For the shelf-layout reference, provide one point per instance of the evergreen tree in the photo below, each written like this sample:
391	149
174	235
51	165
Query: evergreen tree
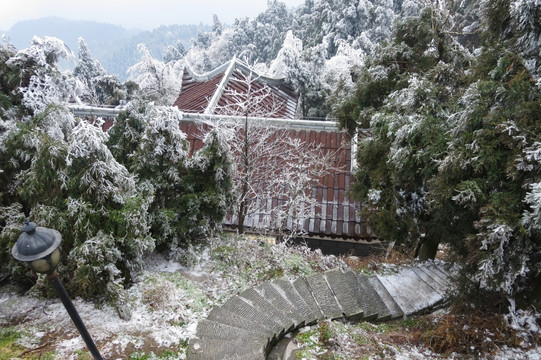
68	180
100	88
157	81
40	82
87	71
452	151
190	196
404	95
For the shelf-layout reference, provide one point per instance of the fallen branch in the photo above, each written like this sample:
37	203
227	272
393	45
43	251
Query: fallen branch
35	349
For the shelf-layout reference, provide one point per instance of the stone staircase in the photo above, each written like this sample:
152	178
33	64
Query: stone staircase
249	324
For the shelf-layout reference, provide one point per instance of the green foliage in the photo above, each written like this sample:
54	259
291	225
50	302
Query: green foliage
403	96
113	197
450	156
305	336
83	354
167	354
190	196
8	339
11	219
492	135
380	328
325	332
8	336
498	18
9	80
90	199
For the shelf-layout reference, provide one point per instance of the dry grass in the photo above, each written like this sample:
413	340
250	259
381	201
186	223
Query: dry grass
374	262
472	334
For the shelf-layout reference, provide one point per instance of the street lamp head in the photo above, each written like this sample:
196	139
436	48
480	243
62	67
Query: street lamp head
38	246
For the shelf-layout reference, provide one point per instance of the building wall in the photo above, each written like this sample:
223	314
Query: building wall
339	247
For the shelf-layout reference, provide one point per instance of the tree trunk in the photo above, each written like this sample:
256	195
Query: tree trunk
243	207
428	250
242	215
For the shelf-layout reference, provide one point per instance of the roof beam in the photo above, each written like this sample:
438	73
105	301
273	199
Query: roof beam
221	87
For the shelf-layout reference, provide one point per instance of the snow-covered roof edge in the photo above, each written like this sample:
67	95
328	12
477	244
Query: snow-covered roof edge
230	65
221	87
317	125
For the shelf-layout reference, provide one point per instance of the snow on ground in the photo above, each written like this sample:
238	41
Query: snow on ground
168	299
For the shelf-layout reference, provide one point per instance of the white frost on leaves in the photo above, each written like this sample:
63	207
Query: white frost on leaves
470	101
505	260
531	219
526	323
374	196
44	52
339	68
378	72
468	193
408	98
162	143
288	56
526	13
46	84
102	177
45	89
219	140
530	159
158	81
500	234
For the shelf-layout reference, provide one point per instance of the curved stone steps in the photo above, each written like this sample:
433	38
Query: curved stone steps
249	324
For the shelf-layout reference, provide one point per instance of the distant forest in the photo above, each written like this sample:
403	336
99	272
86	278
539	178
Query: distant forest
114	46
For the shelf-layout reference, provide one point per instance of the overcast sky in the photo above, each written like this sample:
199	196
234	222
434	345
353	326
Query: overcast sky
134	14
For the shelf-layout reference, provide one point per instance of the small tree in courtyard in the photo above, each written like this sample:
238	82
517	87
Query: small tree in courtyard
269	162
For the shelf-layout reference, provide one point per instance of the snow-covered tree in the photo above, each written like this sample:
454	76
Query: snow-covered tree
100	88
527	14
40	81
254	41
269	163
58	171
175	53
459	137
87	70
490	168
68	180
340	72
10	98
286	62
159	82
190	196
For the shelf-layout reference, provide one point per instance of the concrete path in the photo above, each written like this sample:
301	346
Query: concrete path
249	324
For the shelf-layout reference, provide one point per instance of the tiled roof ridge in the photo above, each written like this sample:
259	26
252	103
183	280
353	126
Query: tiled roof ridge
213	102
231	64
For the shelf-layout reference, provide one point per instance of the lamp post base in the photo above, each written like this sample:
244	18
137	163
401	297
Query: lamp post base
70	308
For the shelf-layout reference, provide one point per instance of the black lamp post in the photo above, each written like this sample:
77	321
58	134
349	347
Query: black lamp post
39	247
